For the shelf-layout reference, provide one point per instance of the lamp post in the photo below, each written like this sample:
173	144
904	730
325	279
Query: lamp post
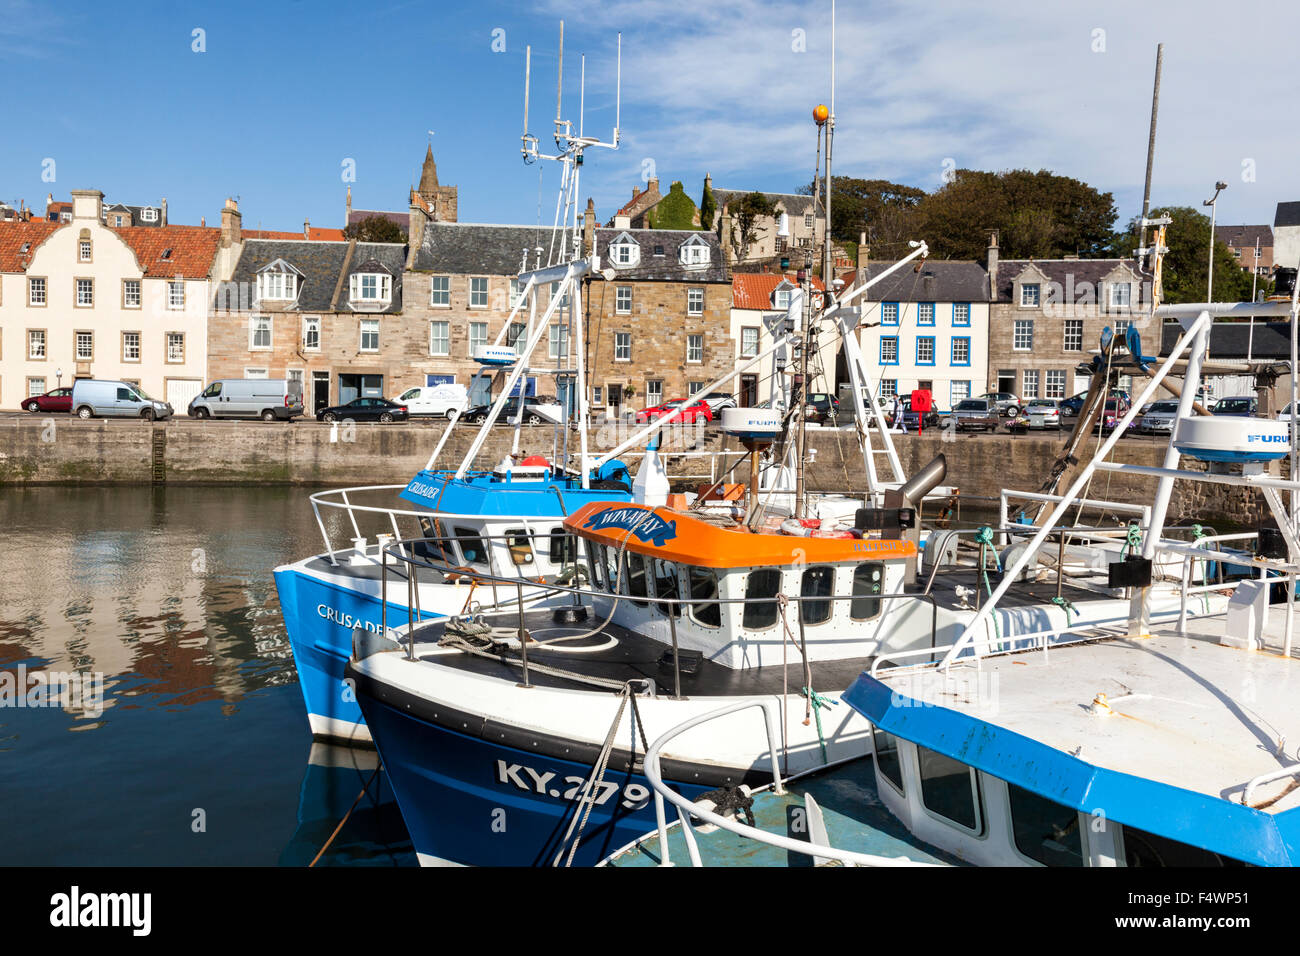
1219	187
58	373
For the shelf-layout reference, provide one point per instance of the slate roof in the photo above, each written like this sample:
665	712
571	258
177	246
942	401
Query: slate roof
1243	237
940	280
667	267
794	203
321	265
1288	214
14	234
1230	340
192	249
466	248
753	290
136	212
1057	270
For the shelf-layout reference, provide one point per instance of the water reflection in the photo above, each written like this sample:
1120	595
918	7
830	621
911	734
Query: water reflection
168	594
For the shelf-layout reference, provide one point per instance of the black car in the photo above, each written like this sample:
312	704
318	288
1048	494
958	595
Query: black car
822	407
477	414
365	410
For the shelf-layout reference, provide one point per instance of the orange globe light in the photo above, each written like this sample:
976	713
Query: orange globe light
820	113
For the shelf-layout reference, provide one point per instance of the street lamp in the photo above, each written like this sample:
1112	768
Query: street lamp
1219	187
58	373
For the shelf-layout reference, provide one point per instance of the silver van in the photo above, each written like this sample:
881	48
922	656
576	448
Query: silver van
98	398
270	399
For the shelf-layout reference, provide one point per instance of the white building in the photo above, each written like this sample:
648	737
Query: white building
81	299
758	307
928	329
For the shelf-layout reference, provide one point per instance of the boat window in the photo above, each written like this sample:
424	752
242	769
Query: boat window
520	545
471	546
617	581
704	587
635	574
948	788
763	583
1045	830
868	581
1148	849
887	762
817	583
433	549
564	547
666	586
596	559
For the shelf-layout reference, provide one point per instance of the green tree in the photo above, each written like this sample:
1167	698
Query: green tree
375	229
745	215
708	206
885	211
1184	272
1037	215
674	211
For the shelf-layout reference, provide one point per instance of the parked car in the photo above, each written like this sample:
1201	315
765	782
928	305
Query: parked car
1038	413
439	400
1159	418
685	410
717	401
1007	404
270	399
113	399
55	400
976	413
365	410
1073	405
1242	406
1117	407
913	420
822	407
538	409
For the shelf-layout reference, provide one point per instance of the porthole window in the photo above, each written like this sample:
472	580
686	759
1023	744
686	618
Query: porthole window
887	760
817	583
868	582
948	788
704	588
1044	830
763	583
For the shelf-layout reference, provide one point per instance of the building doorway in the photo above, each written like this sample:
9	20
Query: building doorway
320	391
748	396
1007	380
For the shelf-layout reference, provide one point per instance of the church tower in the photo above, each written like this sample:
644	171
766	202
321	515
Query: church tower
438	201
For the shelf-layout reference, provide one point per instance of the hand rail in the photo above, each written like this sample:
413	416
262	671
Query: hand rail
1290	770
686	809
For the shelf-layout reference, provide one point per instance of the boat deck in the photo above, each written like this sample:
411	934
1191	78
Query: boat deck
1185	711
854	816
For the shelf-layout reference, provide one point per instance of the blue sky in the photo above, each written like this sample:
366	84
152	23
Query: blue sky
285	93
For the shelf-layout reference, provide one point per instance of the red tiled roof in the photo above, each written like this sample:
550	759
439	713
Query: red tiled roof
753	290
14	234
192	249
322	234
269	234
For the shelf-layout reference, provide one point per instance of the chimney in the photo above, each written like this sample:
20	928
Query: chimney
589	228
636	191
164	211
347	216
306	228
231	224
653	186
203	221
724	233
992	266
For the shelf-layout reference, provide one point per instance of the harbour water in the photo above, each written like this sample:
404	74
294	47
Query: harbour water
149	708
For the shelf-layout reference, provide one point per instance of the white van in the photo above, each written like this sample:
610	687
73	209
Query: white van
270	399
111	399
435	399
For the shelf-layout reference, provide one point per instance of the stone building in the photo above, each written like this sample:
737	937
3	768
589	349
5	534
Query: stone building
658	315
437	202
82	299
1286	235
328	314
1047	316
1252	245
794	216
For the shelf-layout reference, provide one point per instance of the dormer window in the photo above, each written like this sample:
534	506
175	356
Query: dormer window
371	287
659	251
624	251
148	214
695	252
1029	295
278	282
166	253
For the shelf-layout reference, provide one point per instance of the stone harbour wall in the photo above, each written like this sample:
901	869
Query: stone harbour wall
39	449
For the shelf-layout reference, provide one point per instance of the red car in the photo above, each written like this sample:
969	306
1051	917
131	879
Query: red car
687	410
56	400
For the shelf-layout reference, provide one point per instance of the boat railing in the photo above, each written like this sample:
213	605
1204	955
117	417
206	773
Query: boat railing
1281	773
688	811
528	593
1007	495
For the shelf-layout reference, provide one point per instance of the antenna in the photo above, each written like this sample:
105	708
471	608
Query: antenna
559	81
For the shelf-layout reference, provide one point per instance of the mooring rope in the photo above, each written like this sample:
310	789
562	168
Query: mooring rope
345	817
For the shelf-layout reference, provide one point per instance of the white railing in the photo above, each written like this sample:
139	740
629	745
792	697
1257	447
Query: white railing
1280	774
687	809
